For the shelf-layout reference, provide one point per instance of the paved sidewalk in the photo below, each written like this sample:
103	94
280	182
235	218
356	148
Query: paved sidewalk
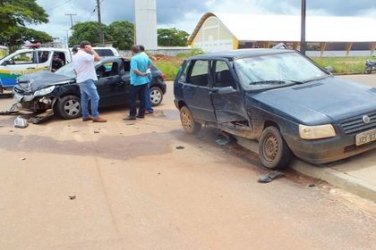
356	174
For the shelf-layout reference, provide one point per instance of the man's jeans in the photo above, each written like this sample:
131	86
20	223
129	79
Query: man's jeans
137	92
148	105
89	93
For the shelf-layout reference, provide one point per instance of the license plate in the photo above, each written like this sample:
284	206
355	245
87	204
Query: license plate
365	137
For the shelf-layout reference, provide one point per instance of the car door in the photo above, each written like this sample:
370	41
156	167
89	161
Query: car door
226	95
108	82
16	65
196	90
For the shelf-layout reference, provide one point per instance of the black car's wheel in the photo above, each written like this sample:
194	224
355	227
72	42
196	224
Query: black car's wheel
187	121
156	96
69	107
368	70
273	150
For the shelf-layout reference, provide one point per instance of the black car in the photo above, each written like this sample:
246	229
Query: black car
59	91
281	99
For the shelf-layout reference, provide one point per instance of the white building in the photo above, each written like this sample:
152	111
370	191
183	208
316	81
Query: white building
217	32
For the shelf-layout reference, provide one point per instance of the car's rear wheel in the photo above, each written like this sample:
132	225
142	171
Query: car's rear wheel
156	96
273	150
69	107
187	121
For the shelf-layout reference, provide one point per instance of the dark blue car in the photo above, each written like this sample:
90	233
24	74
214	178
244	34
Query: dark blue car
281	99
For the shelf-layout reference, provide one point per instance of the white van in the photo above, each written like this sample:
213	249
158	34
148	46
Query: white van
26	61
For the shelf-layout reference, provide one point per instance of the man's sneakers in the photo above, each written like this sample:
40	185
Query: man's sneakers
88	118
130	118
99	119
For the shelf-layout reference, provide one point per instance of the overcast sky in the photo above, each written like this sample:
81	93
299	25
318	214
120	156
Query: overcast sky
185	14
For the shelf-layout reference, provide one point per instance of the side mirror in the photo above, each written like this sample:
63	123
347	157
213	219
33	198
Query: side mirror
329	69
5	63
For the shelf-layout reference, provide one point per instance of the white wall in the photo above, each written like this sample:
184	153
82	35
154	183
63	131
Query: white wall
146	23
213	36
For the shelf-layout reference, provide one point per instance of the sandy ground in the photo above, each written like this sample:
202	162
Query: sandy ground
148	185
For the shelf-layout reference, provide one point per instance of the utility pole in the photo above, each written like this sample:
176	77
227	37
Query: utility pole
71	17
100	28
303	29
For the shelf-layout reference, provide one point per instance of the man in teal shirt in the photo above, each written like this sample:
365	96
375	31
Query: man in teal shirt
139	81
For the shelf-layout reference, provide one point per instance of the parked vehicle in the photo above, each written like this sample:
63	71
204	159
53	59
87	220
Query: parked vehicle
370	66
59	91
282	100
27	61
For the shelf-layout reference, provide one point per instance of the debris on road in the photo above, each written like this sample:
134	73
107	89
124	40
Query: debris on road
23	159
96	132
224	139
20	122
179	147
269	177
72	197
12	111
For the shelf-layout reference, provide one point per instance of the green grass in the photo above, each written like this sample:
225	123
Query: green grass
169	68
340	65
343	65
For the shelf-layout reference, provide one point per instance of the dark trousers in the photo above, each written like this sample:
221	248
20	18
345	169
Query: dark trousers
137	93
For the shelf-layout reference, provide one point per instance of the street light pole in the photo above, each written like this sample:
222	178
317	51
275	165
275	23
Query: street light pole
303	29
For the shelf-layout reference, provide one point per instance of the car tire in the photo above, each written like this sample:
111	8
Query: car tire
187	121
156	96
69	107
274	153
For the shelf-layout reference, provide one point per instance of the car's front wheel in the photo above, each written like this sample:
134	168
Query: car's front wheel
69	107
156	96
273	150
187	121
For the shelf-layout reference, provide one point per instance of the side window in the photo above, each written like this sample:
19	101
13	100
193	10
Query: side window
127	66
223	77
101	71
23	58
108	69
43	56
199	73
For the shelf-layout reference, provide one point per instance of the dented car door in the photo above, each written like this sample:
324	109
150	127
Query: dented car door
226	95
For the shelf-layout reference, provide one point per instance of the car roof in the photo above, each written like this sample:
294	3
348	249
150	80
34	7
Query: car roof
241	53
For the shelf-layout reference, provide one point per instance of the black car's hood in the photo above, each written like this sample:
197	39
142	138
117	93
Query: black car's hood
40	80
319	102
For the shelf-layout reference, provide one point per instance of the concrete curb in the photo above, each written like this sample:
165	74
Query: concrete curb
334	177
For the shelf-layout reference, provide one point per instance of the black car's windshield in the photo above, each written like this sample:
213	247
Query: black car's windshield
276	70
67	71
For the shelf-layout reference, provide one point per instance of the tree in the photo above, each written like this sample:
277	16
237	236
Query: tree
16	36
122	33
15	13
172	37
88	31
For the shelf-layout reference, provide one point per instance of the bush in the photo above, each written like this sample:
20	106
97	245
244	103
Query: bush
343	65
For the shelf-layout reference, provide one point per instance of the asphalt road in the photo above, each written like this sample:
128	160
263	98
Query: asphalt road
148	185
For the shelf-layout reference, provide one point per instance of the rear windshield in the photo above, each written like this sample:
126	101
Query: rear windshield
104	52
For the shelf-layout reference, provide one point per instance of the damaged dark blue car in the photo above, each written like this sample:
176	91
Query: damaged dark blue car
281	99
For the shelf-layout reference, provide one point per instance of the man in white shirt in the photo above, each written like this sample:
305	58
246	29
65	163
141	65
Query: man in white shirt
83	64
